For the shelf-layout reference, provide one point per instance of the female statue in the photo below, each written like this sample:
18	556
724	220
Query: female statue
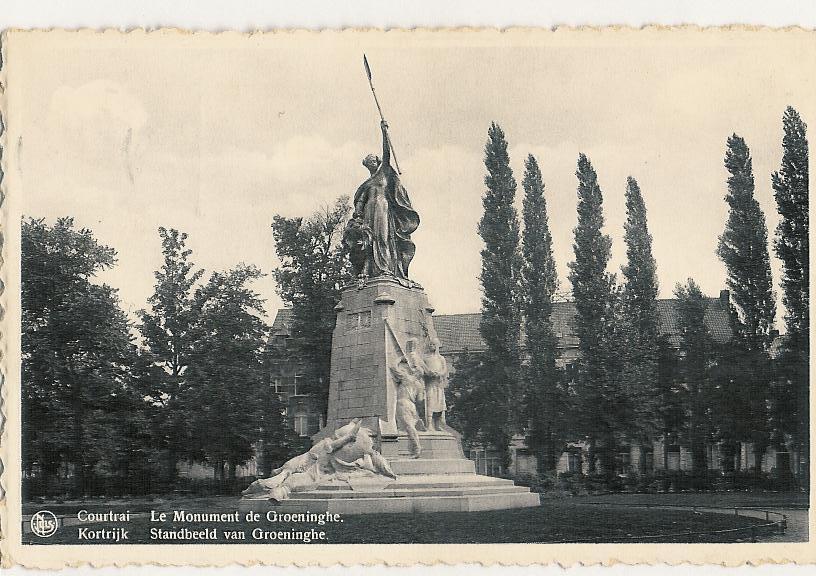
379	234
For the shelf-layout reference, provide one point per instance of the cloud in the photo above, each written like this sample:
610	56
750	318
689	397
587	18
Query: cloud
92	103
93	134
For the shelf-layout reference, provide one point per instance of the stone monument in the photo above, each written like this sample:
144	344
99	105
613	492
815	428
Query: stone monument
376	454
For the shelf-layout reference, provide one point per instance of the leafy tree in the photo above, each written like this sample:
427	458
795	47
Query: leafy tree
167	329
226	372
791	190
314	268
467	398
733	400
125	446
500	279
595	297
75	351
641	321
544	398
698	356
743	247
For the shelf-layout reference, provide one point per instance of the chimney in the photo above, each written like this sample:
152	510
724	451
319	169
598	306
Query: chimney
725	297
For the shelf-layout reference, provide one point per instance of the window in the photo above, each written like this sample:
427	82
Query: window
295	382
301	424
574	461
486	463
278	385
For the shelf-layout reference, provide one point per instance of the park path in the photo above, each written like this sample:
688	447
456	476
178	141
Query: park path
797	530
797	515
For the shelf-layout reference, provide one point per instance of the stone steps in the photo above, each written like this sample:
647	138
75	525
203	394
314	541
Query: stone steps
448	480
457	492
390	492
394	505
408	466
421	481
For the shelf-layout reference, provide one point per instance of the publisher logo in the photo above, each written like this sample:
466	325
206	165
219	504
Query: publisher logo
44	524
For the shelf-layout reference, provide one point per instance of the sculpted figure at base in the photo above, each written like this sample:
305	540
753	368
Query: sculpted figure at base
410	392
379	233
436	380
345	456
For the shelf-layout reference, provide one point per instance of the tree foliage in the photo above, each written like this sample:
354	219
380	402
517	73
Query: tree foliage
500	280
790	186
698	356
743	248
168	328
76	350
314	266
543	394
640	319
226	375
791	189
596	305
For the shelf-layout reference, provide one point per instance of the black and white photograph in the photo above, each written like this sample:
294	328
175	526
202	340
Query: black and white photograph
270	293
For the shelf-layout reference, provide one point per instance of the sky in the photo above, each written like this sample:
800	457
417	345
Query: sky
215	134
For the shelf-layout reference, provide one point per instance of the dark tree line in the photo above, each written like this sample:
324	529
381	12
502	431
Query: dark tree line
631	385
111	406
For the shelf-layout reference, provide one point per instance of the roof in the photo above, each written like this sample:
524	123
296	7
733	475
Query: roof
716	320
283	322
459	332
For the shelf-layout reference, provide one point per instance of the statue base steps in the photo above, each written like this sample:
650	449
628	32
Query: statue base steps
422	485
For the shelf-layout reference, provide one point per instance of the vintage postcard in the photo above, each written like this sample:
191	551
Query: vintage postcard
358	297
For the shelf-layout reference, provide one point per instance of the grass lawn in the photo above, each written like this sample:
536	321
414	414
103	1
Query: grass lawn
770	500
566	520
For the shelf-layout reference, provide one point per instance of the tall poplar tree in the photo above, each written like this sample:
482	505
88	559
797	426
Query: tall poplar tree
743	247
543	397
790	186
594	294
500	279
640	318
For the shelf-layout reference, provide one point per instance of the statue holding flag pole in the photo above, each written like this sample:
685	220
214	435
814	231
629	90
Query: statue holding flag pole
385	446
379	233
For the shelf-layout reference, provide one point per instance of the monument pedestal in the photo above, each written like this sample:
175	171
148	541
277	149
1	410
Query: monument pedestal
374	323
444	481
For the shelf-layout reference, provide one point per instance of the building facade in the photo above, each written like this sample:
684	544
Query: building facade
459	333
